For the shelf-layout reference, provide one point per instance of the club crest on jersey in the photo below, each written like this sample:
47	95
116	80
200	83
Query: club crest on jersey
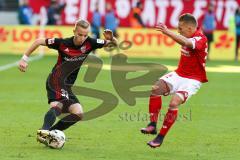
83	49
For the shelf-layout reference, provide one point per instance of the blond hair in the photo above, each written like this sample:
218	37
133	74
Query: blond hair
82	23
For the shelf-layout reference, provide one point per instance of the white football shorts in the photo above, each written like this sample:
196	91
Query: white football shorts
183	87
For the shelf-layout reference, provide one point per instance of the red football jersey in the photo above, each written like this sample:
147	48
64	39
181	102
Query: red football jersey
192	62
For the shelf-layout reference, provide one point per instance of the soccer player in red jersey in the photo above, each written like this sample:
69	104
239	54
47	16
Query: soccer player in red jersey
72	52
182	83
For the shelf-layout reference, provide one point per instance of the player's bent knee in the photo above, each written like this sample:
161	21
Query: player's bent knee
80	115
56	104
160	88
174	104
155	90
76	109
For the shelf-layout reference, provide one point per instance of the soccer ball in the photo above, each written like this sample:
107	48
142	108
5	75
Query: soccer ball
56	139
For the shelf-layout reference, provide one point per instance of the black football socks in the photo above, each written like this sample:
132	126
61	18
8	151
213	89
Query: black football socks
66	122
50	117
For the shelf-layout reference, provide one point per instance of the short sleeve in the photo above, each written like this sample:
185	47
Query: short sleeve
198	42
53	43
97	43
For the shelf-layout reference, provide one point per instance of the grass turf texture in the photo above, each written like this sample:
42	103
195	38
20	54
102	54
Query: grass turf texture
207	128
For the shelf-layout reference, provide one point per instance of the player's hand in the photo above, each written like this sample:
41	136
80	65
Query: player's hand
162	27
108	34
22	65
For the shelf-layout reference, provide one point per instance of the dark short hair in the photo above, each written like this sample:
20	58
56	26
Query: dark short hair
188	18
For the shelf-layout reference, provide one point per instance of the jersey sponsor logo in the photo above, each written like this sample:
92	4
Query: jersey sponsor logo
74	59
51	41
100	41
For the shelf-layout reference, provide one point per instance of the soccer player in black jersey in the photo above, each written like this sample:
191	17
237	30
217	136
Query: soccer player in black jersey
71	54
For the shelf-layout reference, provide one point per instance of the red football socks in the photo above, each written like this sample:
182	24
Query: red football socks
155	105
169	120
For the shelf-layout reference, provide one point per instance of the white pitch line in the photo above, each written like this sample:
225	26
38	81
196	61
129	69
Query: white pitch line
14	64
217	69
43	21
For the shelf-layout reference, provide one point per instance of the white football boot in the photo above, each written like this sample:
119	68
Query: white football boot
43	136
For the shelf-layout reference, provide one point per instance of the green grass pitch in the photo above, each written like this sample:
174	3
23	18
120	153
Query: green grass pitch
207	128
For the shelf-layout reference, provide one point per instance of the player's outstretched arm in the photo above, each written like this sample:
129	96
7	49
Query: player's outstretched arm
23	63
176	37
108	35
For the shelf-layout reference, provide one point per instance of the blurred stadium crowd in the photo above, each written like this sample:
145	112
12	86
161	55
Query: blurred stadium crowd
212	15
134	13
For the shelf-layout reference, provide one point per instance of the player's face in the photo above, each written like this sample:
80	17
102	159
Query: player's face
80	35
185	29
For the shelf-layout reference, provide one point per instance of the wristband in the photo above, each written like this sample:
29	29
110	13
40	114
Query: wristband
25	58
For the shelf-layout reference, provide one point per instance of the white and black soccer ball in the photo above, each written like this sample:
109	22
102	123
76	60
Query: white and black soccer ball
56	139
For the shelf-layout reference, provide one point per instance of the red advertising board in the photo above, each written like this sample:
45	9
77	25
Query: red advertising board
154	11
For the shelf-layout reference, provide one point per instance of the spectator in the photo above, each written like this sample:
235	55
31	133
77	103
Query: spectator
25	13
135	17
237	28
96	22
111	21
2	4
54	12
209	26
